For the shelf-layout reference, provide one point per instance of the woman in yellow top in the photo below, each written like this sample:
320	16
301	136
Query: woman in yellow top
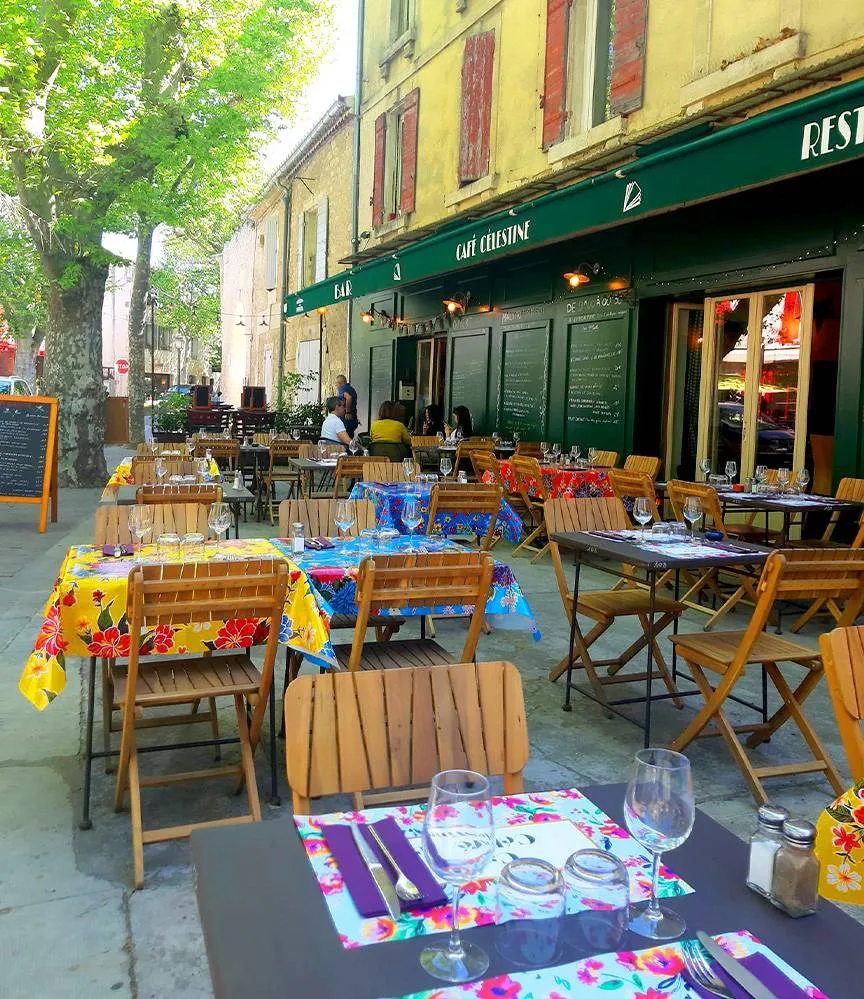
388	429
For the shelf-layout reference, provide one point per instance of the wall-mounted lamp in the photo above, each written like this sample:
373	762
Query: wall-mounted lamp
583	274
457	304
322	310
617	284
239	323
372	314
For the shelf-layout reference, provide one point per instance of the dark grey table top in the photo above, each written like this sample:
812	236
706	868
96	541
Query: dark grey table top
269	934
607	548
125	495
787	503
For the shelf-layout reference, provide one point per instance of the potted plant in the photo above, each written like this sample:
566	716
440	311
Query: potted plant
306	417
169	418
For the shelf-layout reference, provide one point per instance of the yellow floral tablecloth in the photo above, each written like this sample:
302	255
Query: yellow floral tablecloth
86	616
840	847
122	474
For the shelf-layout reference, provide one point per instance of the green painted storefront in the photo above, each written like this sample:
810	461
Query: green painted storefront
590	365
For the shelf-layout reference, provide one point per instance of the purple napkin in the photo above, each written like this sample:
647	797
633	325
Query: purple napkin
359	881
764	969
111	549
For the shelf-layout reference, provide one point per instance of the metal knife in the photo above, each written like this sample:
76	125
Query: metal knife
379	875
734	969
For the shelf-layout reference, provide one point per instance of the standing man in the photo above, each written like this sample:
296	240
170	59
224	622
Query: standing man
348	394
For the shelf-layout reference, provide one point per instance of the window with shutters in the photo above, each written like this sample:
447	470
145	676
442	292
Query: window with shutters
400	18
271	250
393	192
311	244
310	247
476	116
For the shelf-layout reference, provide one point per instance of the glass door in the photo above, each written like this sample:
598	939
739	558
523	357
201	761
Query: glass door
684	364
755	367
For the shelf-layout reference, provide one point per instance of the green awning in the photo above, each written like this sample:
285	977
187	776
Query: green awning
814	132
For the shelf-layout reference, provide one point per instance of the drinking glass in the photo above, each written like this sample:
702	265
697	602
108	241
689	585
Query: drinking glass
295	434
412	517
168	547
140	524
192	547
575	452
219	521
731	470
544	448
592	456
761	473
516	437
783	476
530	904
439	437
556	450
408	468
161	469
705	468
203	468
803	479
659	812
354	446
344	516
692	513
597	891
368	539
446	466
458	435
642	511
496	437
458	841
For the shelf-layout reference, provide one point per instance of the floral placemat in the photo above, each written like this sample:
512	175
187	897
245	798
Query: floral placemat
646	974
478	907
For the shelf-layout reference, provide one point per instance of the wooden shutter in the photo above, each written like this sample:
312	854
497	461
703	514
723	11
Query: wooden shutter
300	240
321	241
271	252
410	117
378	182
628	55
477	62
555	76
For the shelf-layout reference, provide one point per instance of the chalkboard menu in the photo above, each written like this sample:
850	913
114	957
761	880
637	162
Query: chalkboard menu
524	382
28	430
380	378
469	367
597	383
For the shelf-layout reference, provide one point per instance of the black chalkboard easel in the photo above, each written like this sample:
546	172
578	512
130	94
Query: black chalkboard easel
28	452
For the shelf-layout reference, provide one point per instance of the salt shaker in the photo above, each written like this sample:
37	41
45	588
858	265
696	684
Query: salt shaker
764	844
795	889
462	478
298	539
238	479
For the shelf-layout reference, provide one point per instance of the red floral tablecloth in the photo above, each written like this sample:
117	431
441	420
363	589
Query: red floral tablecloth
562	482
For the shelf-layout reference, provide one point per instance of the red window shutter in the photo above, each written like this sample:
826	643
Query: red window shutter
555	77
410	115
628	55
477	64
378	182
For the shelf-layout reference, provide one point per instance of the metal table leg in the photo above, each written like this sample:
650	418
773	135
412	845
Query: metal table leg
567	705
275	800
652	599
86	822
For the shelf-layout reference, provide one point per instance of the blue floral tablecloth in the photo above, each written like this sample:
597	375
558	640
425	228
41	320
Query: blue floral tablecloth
333	573
388	499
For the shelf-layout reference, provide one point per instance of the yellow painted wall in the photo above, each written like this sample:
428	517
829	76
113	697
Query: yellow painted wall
703	56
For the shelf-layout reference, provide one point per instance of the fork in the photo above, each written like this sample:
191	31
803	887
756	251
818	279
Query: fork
700	970
405	887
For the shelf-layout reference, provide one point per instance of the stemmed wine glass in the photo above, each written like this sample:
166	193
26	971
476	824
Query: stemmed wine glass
354	446
575	451
642	511
592	456
556	451
439	437
408	468
731	471
659	813
783	475
140	524
446	466
544	450
161	469
219	521
705	467
693	513
344	516
803	480
459	841
295	434
412	517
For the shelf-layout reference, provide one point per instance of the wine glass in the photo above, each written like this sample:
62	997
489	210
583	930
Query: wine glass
440	438
344	516
412	517
496	438
803	479
731	470
219	521
692	513
659	813
408	468
575	451
705	468
458	435
140	524
295	435
556	450
516	437
544	450
161	469
592	456
783	475
458	841
642	511
354	446
446	466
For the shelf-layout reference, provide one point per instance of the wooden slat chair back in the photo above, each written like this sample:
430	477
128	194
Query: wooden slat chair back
485	461
786	575
424	440
279	470
827	577
396	729
642	463
318	517
384	471
529	449
144	469
225	453
426	456
847	489
349	469
843	660
529	478
457	498
605	459
179	492
627	484
152	450
192	593
419	581
604	607
112	522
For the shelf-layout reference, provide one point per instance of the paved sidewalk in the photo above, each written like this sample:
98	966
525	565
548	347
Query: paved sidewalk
70	925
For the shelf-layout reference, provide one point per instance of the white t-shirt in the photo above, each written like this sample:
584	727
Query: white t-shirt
331	428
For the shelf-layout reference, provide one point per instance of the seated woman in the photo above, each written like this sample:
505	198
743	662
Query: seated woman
462	428
433	420
387	429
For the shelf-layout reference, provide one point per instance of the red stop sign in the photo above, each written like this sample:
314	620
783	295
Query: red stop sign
122	365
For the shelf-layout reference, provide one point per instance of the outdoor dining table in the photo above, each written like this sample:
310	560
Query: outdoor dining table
388	499
561	481
309	468
788	504
269	924
610	551
125	496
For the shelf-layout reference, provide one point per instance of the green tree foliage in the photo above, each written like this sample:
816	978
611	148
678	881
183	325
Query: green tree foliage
187	283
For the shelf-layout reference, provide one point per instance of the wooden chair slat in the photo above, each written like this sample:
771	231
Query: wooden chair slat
424	742
324	762
491	698
373	722
466	700
398	686
643	464
353	765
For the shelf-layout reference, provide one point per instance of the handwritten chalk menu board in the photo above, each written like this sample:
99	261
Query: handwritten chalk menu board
469	369
380	378
524	381
597	383
28	453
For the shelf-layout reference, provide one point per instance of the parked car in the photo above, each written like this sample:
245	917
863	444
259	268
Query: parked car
774	445
11	385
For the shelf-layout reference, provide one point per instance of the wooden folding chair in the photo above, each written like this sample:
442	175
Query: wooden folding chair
484	462
424	440
459	499
144	469
605	459
385	471
364	732
179	492
605	607
843	660
627	484
847	489
226	453
786	575
278	469
642	463
349	469
421	581
190	593
534	496
153	450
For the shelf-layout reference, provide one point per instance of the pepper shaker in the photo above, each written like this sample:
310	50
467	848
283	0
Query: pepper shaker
764	844
795	888
298	539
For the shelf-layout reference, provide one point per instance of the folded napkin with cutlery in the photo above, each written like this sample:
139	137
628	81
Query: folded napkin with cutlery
117	550
360	883
759	965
